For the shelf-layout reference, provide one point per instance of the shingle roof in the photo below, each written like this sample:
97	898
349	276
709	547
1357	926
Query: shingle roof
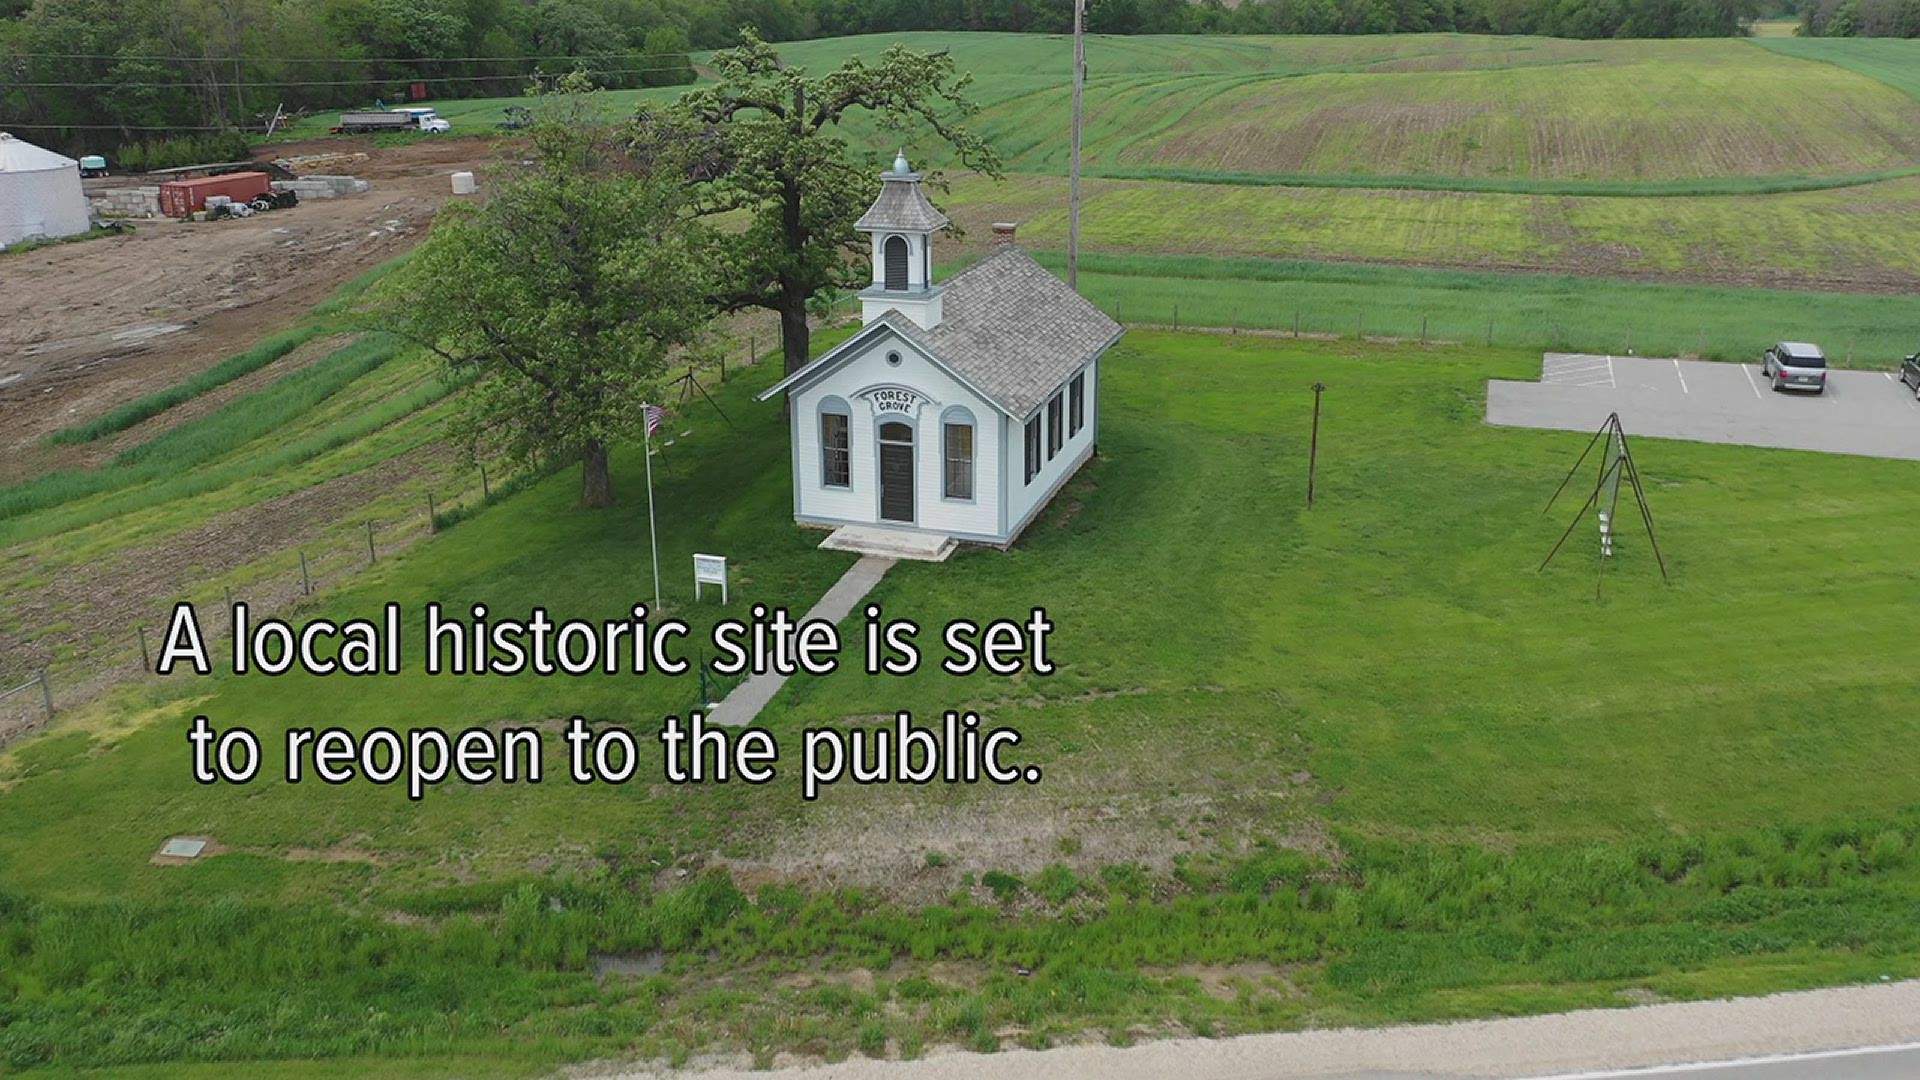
1013	329
1008	328
901	205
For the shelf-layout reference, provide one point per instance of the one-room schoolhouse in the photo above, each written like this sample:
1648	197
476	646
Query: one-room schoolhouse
959	408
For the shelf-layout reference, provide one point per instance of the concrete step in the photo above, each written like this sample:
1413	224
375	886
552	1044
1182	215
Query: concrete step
890	543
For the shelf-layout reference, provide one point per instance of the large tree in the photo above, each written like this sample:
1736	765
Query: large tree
563	296
764	143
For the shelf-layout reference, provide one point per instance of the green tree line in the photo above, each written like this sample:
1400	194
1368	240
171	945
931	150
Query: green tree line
1860	18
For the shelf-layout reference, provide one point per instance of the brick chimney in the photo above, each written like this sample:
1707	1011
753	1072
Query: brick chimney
1003	234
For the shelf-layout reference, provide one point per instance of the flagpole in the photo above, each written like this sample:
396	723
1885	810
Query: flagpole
653	535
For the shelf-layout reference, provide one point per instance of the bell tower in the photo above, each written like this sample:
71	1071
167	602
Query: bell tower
901	224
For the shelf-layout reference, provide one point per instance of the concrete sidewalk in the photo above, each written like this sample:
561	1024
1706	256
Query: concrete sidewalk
1591	1043
744	704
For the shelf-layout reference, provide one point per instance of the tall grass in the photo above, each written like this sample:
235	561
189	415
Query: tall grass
1400	930
146	487
133	412
234	425
344	296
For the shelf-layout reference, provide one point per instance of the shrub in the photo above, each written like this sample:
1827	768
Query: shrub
179	150
1888	850
1057	883
1005	886
1126	879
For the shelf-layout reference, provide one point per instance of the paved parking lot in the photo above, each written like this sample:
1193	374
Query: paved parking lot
1862	412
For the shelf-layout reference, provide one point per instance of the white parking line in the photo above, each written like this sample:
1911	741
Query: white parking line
1682	376
1609	368
1654	1071
1756	386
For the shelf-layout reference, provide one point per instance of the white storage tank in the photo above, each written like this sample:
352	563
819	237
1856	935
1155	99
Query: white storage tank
463	183
40	194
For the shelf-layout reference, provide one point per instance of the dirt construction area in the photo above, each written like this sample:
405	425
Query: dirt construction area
87	326
1871	413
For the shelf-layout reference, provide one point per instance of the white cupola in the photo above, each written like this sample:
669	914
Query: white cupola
901	224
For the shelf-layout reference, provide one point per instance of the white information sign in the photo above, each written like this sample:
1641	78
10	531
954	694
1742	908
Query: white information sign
710	570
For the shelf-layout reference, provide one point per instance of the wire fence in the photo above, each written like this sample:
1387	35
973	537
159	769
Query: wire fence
291	577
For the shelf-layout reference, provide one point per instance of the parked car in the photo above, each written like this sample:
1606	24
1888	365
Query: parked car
1796	365
1910	373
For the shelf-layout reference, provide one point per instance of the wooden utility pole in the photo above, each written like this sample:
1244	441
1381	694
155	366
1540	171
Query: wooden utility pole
1313	447
1073	167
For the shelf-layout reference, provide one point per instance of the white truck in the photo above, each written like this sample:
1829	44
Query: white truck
409	119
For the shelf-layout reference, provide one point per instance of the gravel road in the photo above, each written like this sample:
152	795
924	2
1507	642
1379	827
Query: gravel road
1589	1042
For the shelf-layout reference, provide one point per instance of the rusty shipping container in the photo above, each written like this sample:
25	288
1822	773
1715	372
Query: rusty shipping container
180	198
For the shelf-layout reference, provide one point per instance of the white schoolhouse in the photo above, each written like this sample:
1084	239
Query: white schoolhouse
959	408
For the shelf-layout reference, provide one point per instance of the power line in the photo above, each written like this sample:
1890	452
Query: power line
217	84
345	59
8	125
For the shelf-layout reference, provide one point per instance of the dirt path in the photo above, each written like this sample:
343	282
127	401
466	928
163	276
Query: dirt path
1578	1042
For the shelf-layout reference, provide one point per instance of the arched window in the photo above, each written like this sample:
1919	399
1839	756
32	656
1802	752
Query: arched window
896	432
895	258
836	441
956	449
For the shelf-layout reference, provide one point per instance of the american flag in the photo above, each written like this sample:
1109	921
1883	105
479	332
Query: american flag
656	416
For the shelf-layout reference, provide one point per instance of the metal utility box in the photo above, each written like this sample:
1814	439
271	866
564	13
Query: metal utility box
180	198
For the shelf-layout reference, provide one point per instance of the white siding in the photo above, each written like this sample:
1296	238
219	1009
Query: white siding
1023	498
860	503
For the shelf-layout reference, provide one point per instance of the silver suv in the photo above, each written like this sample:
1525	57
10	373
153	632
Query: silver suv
1796	365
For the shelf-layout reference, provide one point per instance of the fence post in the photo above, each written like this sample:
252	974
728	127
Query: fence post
1489	331
1701	352
1360	326
46	693
486	492
1296	324
371	558
433	524
146	658
723	365
1629	341
1423	329
1176	316
306	580
1233	321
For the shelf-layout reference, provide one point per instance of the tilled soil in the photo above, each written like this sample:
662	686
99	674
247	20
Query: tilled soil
89	326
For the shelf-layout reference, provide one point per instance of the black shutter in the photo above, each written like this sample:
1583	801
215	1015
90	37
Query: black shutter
896	264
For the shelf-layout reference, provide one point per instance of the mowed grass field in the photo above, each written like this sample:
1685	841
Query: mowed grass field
1775	163
1520	114
1846	240
1353	764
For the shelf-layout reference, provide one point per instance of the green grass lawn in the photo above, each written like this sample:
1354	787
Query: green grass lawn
1893	61
1714	161
1356	764
1532	311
